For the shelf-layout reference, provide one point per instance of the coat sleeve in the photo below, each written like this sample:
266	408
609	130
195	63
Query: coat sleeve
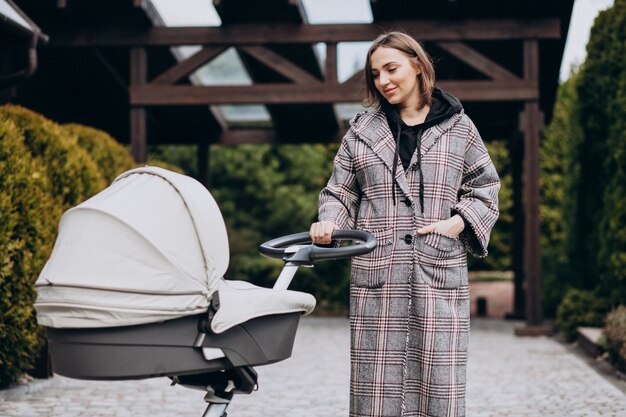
339	201
478	195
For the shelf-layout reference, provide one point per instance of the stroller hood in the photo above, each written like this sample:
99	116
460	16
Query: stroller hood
151	247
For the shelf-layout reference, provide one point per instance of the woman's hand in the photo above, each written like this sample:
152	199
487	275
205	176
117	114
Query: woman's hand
322	232
451	227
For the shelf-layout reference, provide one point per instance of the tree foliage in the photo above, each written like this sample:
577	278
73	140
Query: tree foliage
560	176
599	252
28	216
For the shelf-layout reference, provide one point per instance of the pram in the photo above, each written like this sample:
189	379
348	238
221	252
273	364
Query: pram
134	289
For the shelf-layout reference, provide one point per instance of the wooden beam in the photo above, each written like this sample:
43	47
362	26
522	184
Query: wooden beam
279	64
189	65
258	34
478	61
531	60
331	63
356	79
269	136
243	136
155	95
138	125
531	123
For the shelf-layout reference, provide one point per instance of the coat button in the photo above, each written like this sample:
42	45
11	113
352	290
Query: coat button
408	239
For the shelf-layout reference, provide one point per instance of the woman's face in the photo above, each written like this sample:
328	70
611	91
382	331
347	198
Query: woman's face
395	76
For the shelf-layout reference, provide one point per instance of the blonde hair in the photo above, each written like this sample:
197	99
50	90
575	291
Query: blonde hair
414	50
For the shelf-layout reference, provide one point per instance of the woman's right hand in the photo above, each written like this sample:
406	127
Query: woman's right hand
322	232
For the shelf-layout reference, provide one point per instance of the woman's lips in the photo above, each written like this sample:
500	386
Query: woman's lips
389	91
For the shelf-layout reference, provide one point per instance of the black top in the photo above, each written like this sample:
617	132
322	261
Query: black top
409	138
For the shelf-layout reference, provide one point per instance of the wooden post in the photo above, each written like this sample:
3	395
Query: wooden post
531	124
138	128
516	152
331	63
204	175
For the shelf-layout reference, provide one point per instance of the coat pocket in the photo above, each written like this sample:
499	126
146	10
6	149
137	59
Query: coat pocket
442	260
372	270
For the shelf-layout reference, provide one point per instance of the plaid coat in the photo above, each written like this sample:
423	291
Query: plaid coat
409	298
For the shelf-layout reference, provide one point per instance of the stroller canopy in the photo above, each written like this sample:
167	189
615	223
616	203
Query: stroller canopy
151	247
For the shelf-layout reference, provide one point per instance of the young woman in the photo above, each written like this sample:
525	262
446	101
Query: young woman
415	173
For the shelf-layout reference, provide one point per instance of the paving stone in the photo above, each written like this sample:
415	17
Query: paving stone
507	377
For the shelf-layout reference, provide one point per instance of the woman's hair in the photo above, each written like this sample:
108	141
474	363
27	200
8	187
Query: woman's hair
414	50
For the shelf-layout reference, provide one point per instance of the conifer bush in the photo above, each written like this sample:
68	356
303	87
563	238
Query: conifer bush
28	218
73	174
601	219
579	308
111	157
615	337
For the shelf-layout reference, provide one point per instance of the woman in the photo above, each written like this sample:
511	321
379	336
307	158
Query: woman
415	173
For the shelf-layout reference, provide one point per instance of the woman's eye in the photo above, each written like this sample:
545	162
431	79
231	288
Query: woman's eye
392	69
374	75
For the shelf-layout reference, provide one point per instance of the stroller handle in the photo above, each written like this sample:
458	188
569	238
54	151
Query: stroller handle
309	254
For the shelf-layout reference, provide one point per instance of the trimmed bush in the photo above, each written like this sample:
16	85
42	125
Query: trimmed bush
600	234
111	157
560	176
579	308
28	218
73	175
615	337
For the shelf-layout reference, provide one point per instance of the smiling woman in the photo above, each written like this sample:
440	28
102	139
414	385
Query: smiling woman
415	173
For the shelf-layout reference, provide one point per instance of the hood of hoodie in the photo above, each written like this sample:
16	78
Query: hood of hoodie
372	126
444	105
379	128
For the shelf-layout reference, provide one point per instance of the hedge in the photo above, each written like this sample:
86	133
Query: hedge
28	216
579	308
110	156
73	174
615	337
560	176
600	238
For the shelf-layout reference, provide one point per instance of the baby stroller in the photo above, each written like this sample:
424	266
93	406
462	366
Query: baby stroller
134	289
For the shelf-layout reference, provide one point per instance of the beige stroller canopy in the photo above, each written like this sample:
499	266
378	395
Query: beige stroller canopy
151	247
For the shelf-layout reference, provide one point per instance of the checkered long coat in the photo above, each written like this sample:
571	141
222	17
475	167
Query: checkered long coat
409	298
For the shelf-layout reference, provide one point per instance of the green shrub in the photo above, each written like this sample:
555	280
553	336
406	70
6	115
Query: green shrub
28	218
560	175
111	157
579	308
73	175
600	235
615	337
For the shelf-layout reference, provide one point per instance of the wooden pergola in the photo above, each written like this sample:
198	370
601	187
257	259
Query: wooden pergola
501	60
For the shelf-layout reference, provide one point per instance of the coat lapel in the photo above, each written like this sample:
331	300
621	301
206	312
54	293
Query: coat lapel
373	129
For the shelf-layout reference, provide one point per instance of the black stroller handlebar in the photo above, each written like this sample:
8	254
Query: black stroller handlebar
309	254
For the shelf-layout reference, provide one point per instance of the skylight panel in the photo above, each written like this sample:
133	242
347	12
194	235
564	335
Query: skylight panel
332	11
7	10
187	13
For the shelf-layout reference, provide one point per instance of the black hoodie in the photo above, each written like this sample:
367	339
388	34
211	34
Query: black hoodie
409	138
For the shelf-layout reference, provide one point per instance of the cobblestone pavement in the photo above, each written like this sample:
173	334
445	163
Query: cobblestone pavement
507	377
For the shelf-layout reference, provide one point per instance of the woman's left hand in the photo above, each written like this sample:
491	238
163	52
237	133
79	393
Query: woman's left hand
451	227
